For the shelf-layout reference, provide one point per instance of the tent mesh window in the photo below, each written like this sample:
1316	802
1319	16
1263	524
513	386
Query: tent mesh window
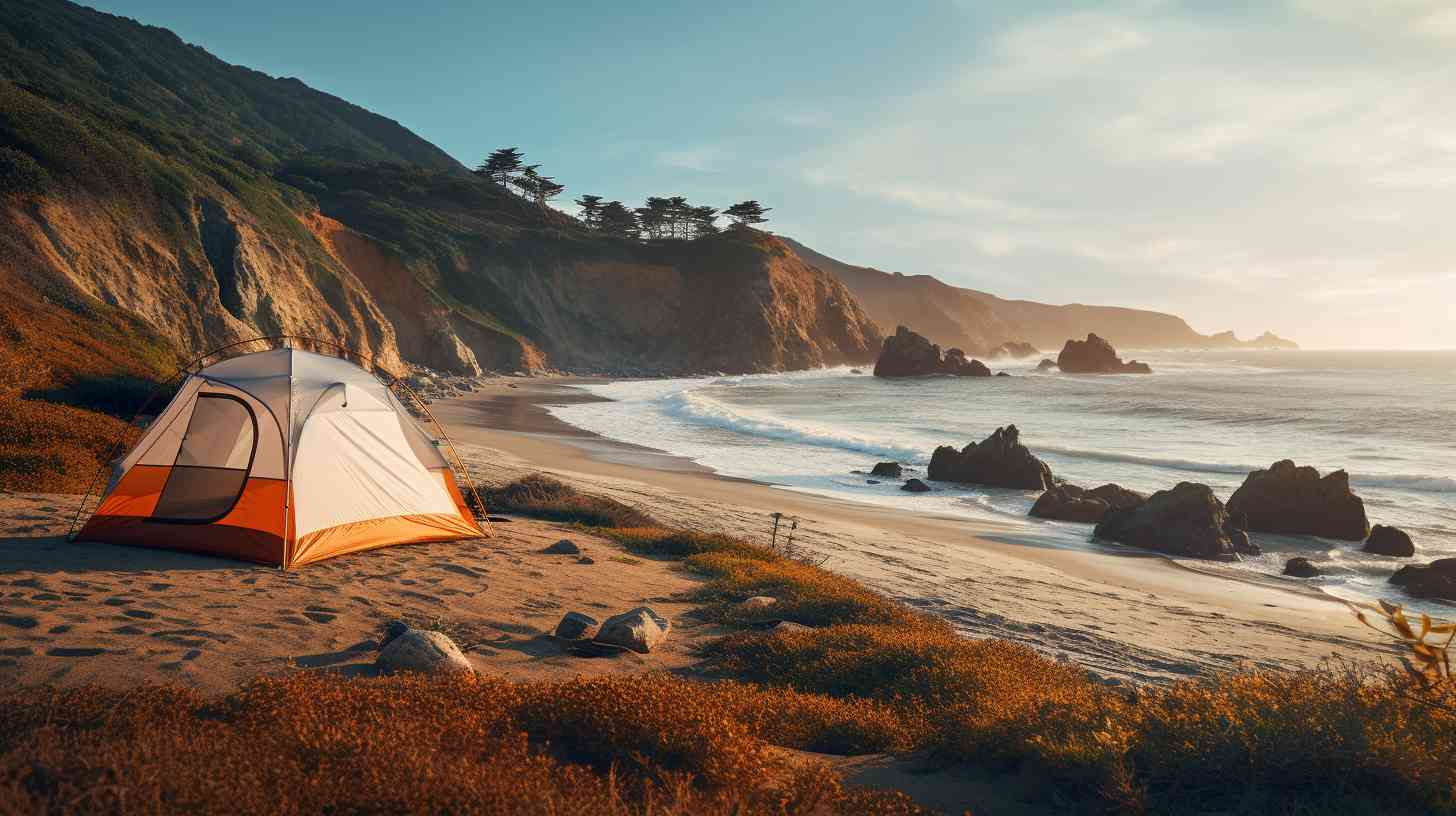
213	462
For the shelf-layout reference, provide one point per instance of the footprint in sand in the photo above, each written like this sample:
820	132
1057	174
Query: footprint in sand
128	630
60	630
139	614
19	621
17	651
158	587
320	614
45	596
118	601
463	570
75	651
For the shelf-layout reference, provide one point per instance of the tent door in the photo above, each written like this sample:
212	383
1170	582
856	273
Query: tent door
213	462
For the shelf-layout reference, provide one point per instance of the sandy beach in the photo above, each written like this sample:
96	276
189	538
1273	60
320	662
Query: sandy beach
1126	616
75	613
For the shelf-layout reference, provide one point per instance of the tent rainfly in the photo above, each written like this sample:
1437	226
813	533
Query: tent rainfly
282	457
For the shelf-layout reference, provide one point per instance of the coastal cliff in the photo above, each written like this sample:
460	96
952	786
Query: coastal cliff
979	322
215	203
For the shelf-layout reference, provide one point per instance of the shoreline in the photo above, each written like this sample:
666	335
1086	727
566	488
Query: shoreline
1123	615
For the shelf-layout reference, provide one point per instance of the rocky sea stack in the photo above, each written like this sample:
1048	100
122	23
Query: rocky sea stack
1391	541
907	354
1096	356
1013	349
1072	503
1434	580
1295	500
1188	521
1000	461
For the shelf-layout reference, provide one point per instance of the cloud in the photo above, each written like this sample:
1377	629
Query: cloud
1222	163
1424	18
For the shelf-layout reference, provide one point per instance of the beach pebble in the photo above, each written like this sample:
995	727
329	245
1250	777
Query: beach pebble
915	486
425	652
574	626
758	602
586	559
640	630
563	547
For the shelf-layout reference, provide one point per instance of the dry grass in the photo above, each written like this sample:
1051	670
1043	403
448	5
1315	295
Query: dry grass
542	497
312	744
1328	740
46	447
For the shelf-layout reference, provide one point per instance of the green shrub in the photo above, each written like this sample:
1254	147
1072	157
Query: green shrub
540	496
21	174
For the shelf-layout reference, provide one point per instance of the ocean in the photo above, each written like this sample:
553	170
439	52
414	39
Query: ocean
1387	417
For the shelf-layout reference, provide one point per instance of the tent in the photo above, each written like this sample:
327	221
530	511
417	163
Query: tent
282	457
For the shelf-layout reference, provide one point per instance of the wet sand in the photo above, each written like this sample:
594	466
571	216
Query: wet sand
1124	615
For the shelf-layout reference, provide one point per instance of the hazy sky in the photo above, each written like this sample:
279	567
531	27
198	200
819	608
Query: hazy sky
1282	165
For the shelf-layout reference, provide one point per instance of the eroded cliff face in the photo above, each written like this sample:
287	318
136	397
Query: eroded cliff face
737	302
219	279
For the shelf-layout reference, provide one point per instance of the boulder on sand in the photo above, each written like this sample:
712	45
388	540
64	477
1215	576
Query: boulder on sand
563	547
1434	580
1296	500
574	626
1385	540
640	630
1096	356
1187	521
907	354
1066	502
425	652
915	486
1300	567
1000	461
889	470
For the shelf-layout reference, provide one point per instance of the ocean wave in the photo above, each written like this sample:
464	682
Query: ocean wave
692	406
1420	483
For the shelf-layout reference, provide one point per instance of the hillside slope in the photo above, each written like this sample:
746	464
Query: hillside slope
978	321
156	202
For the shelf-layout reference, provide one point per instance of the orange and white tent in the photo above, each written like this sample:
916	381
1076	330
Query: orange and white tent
282	457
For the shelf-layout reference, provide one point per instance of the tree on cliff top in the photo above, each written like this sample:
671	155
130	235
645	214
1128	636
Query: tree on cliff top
501	165
617	220
591	210
747	213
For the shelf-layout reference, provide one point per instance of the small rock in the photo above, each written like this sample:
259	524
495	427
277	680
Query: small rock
1299	567
426	652
640	630
1434	580
586	559
563	547
915	486
758	602
574	626
1003	374
392	630
872	481
789	628
1045	365
889	470
1390	541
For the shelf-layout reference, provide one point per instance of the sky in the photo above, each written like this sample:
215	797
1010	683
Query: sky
1285	165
